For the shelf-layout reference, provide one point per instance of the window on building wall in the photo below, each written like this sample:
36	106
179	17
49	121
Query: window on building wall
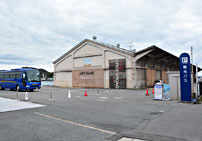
87	62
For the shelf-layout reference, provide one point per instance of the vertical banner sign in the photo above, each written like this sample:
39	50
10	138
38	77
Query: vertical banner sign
185	77
117	73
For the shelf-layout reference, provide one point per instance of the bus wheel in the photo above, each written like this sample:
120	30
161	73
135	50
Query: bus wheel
17	88
1	88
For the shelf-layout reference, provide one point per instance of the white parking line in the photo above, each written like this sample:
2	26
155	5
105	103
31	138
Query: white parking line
74	123
117	97
100	100
78	96
103	97
124	90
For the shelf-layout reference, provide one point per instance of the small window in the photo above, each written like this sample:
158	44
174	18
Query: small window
1	75
12	75
87	61
18	75
6	75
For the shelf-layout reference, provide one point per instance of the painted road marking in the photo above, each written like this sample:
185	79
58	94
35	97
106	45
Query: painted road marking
74	123
103	97
13	105
117	97
100	100
78	96
124	90
109	91
129	139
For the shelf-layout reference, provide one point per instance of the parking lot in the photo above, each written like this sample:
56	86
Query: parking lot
104	114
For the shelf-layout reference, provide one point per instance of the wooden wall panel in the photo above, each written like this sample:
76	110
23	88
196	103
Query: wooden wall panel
150	77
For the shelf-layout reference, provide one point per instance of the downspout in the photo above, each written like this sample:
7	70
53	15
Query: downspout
135	74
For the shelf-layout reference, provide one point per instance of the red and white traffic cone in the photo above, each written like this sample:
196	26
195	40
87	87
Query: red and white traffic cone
85	93
153	91
147	93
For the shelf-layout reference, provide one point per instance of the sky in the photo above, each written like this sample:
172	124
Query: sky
36	32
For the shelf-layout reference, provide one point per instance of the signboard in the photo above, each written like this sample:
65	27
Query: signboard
166	92
158	92
185	77
86	75
117	73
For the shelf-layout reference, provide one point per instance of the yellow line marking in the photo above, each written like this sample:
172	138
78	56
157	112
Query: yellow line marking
74	123
9	81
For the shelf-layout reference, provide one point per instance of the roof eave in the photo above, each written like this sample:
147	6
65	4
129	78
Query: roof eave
95	42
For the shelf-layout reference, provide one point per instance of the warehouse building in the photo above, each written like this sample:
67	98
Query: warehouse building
93	64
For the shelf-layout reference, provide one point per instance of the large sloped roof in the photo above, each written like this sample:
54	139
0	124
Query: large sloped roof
155	54
95	42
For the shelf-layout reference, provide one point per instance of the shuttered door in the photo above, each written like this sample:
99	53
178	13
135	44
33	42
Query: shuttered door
141	78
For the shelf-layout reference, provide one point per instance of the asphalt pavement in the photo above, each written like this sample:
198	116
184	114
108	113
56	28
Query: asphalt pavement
68	115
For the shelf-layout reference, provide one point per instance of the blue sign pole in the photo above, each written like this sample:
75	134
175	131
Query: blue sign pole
185	77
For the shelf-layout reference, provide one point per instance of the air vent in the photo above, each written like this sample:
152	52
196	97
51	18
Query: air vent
94	38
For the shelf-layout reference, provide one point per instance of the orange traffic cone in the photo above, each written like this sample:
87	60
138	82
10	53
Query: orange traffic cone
153	91
147	93
85	93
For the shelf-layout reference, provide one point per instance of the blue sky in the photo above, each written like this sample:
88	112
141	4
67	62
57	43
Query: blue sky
36	32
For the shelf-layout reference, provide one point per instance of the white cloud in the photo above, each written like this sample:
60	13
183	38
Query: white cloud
42	30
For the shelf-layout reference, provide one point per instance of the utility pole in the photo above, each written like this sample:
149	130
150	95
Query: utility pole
133	65
197	86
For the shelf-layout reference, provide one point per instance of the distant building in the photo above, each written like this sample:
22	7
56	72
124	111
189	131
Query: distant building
200	78
93	64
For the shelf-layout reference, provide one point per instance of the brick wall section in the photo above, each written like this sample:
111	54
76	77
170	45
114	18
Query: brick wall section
164	77
82	80
150	77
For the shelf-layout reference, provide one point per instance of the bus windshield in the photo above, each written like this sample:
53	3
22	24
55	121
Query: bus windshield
33	76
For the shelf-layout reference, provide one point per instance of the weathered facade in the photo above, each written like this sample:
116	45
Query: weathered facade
91	64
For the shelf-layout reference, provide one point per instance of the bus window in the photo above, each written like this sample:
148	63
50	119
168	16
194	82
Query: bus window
1	75
12	75
6	75
18	75
33	76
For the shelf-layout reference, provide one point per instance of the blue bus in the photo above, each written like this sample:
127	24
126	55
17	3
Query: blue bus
20	79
